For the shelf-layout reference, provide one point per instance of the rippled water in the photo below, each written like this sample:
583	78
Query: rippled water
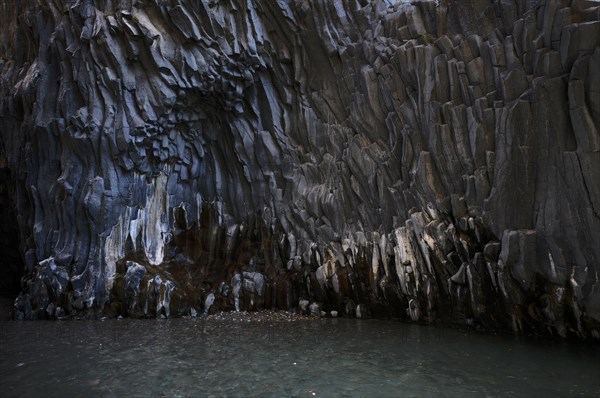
328	358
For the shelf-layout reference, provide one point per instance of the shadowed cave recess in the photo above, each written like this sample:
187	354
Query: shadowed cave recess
434	161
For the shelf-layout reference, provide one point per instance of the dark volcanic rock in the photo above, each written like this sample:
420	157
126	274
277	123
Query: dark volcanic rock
428	160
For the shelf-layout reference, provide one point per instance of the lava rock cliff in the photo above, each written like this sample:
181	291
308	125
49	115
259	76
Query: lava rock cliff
437	161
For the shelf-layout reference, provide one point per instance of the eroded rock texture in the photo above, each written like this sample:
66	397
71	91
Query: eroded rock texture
436	161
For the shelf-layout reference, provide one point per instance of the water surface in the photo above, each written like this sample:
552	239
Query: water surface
329	358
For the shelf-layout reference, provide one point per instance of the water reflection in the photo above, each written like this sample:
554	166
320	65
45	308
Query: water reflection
333	358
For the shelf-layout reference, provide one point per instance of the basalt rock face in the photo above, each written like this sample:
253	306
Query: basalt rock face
435	161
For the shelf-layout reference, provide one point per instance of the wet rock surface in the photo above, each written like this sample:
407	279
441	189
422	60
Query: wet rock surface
433	161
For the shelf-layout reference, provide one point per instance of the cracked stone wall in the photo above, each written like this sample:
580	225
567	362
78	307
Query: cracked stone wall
434	161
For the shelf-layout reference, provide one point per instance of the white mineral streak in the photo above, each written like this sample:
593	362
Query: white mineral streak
157	223
151	221
114	251
404	253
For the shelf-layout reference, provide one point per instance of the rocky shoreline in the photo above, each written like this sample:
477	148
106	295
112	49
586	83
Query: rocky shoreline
260	316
